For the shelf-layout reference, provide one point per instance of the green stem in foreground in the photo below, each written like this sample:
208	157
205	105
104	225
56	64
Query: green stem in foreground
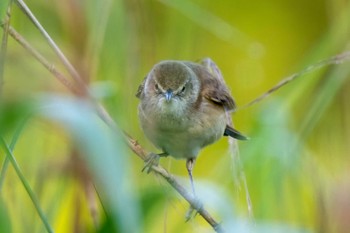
12	146
26	185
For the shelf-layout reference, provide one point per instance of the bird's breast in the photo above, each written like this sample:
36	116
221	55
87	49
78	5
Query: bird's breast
183	135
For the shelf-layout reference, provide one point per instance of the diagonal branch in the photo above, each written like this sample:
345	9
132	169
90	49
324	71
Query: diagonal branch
72	71
38	56
188	196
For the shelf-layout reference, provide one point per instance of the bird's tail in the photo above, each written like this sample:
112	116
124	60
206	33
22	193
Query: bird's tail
229	131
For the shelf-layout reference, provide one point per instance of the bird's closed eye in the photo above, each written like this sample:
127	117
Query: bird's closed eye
156	87
183	89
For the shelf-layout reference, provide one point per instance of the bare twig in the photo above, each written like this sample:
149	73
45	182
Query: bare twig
159	170
72	71
38	56
188	196
330	61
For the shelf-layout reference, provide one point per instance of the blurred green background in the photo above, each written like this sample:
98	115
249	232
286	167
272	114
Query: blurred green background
297	162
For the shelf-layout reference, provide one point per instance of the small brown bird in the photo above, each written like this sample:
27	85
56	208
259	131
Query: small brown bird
182	110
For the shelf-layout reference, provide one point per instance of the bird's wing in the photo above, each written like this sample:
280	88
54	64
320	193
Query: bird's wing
229	131
214	89
217	94
139	92
213	86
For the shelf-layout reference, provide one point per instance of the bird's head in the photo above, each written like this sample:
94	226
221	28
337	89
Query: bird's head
173	85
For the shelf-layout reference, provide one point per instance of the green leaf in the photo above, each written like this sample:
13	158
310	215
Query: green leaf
11	113
5	223
104	152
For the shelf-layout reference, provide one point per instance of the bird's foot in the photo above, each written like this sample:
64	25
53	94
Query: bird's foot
193	210
190	214
152	159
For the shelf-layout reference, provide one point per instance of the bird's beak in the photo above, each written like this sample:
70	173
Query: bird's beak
168	95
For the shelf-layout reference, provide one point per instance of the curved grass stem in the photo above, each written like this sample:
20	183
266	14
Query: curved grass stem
14	140
26	185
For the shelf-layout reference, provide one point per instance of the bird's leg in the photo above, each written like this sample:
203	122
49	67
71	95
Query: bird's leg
189	166
152	159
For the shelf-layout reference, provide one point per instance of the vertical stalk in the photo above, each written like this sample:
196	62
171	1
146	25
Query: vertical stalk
3	50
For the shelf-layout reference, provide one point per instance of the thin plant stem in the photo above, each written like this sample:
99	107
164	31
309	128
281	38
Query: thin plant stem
238	174
96	39
14	140
3	49
26	185
337	59
38	56
72	71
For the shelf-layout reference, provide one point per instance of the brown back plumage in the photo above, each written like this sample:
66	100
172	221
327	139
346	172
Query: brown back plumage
212	88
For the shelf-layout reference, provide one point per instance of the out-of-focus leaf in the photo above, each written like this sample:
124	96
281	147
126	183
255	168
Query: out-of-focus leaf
5	223
277	228
273	140
102	90
11	113
104	152
323	100
210	22
272	162
3	8
216	200
14	140
150	198
107	226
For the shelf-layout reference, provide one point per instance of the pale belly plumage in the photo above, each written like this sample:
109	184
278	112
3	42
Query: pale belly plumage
183	137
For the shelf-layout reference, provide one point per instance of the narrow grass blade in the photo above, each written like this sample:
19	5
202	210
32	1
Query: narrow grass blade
14	140
26	185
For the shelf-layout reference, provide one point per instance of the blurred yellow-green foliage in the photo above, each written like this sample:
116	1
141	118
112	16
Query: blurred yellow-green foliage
297	162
